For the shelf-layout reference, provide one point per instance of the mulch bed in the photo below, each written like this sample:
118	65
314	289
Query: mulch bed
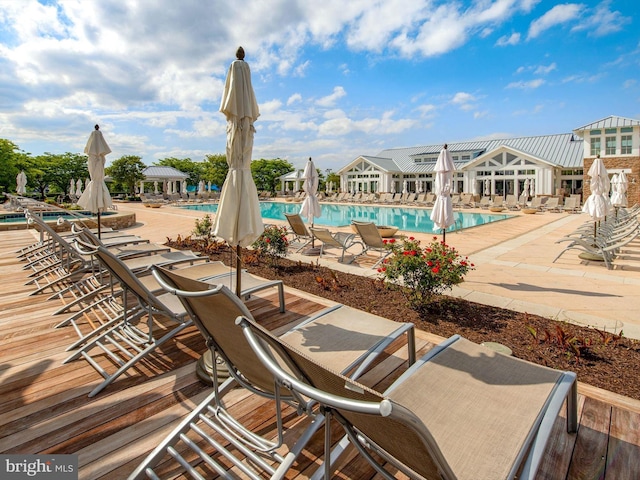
598	358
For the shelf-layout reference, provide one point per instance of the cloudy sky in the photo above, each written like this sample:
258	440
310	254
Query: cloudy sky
334	79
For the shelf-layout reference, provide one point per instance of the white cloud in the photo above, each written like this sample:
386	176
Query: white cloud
602	21
295	98
330	100
505	40
545	69
531	84
556	16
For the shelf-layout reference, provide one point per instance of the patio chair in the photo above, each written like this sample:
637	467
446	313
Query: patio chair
372	240
298	230
327	336
342	240
552	205
461	412
124	339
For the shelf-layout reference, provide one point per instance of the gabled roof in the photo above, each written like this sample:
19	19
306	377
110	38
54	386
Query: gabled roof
291	176
156	172
611	121
562	150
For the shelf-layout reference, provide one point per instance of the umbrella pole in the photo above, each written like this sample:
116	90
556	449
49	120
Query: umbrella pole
444	235
99	235
238	270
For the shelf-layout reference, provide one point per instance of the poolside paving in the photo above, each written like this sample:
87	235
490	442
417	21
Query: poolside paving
513	261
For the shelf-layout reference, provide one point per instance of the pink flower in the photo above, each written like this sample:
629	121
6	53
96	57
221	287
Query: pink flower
435	269
393	240
411	238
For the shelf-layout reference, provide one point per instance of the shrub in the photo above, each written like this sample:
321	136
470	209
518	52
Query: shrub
421	273
272	243
203	227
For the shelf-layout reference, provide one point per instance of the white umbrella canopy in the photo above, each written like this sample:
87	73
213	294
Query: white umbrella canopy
72	187
442	213
623	184
21	183
487	190
615	191
79	186
238	220
597	205
96	197
404	187
310	207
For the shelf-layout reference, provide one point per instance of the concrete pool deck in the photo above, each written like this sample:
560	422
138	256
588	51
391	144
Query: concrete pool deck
514	268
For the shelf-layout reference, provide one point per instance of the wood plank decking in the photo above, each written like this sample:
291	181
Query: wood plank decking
44	406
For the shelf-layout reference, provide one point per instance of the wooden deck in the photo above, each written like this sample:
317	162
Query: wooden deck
44	406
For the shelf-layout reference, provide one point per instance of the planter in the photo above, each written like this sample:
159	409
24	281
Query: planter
384	230
496	209
529	211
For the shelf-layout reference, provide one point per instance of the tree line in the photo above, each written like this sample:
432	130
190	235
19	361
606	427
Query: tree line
51	173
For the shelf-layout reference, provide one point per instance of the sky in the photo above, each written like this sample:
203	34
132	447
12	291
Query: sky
333	79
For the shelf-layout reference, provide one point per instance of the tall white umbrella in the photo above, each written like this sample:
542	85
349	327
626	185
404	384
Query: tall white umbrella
487	187
310	207
238	220
404	188
442	213
72	187
597	205
155	187
209	186
615	191
79	186
21	183
623	185
184	186
96	197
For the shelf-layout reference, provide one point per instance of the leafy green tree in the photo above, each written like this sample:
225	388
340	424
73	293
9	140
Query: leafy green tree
333	177
215	169
195	170
12	160
127	171
266	172
54	171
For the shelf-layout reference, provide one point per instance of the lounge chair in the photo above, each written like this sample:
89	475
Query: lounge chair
326	336
298	230
511	202
372	240
461	412
552	205
430	199
125	339
342	240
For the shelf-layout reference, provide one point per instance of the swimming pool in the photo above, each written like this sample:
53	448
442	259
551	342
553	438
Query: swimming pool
47	216
405	218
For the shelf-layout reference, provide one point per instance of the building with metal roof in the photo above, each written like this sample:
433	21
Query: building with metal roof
553	164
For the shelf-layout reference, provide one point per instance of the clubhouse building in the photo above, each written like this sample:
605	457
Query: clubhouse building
552	164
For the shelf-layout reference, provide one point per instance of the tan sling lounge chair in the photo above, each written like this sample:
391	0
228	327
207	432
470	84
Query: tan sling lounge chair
298	230
461	412
345	339
342	240
372	240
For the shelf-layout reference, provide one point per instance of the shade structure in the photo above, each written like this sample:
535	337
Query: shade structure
96	197
614	189
238	220
532	188
404	188
623	185
21	183
487	187
72	187
79	187
597	204
442	213
310	207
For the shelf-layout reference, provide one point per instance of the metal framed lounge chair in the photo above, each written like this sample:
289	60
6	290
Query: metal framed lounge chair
342	240
461	412
372	240
326	336
298	230
125	339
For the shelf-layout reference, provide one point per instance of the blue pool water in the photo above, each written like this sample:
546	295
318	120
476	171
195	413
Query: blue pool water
405	218
47	216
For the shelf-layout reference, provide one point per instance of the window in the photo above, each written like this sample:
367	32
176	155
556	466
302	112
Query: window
466	157
610	145
595	146
610	131
625	144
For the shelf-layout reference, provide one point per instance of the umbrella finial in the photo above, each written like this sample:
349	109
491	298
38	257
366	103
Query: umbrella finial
445	146
97	127
240	53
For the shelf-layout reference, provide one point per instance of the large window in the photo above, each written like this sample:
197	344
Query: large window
610	145
625	144
595	146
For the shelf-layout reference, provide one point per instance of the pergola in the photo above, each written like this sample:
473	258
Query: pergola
170	179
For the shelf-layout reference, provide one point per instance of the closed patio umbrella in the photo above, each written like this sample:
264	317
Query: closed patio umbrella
623	185
238	220
21	183
96	197
72	187
597	204
442	213
310	207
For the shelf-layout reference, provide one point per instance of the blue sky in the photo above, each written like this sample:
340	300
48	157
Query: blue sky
334	79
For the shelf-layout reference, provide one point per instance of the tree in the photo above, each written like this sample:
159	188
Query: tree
334	178
54	171
215	169
127	171
195	170
12	160
266	172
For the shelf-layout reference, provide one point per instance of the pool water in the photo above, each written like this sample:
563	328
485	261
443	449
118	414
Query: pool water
405	218
47	216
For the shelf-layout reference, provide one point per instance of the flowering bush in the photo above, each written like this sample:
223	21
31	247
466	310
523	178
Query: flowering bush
272	242
203	227
420	273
